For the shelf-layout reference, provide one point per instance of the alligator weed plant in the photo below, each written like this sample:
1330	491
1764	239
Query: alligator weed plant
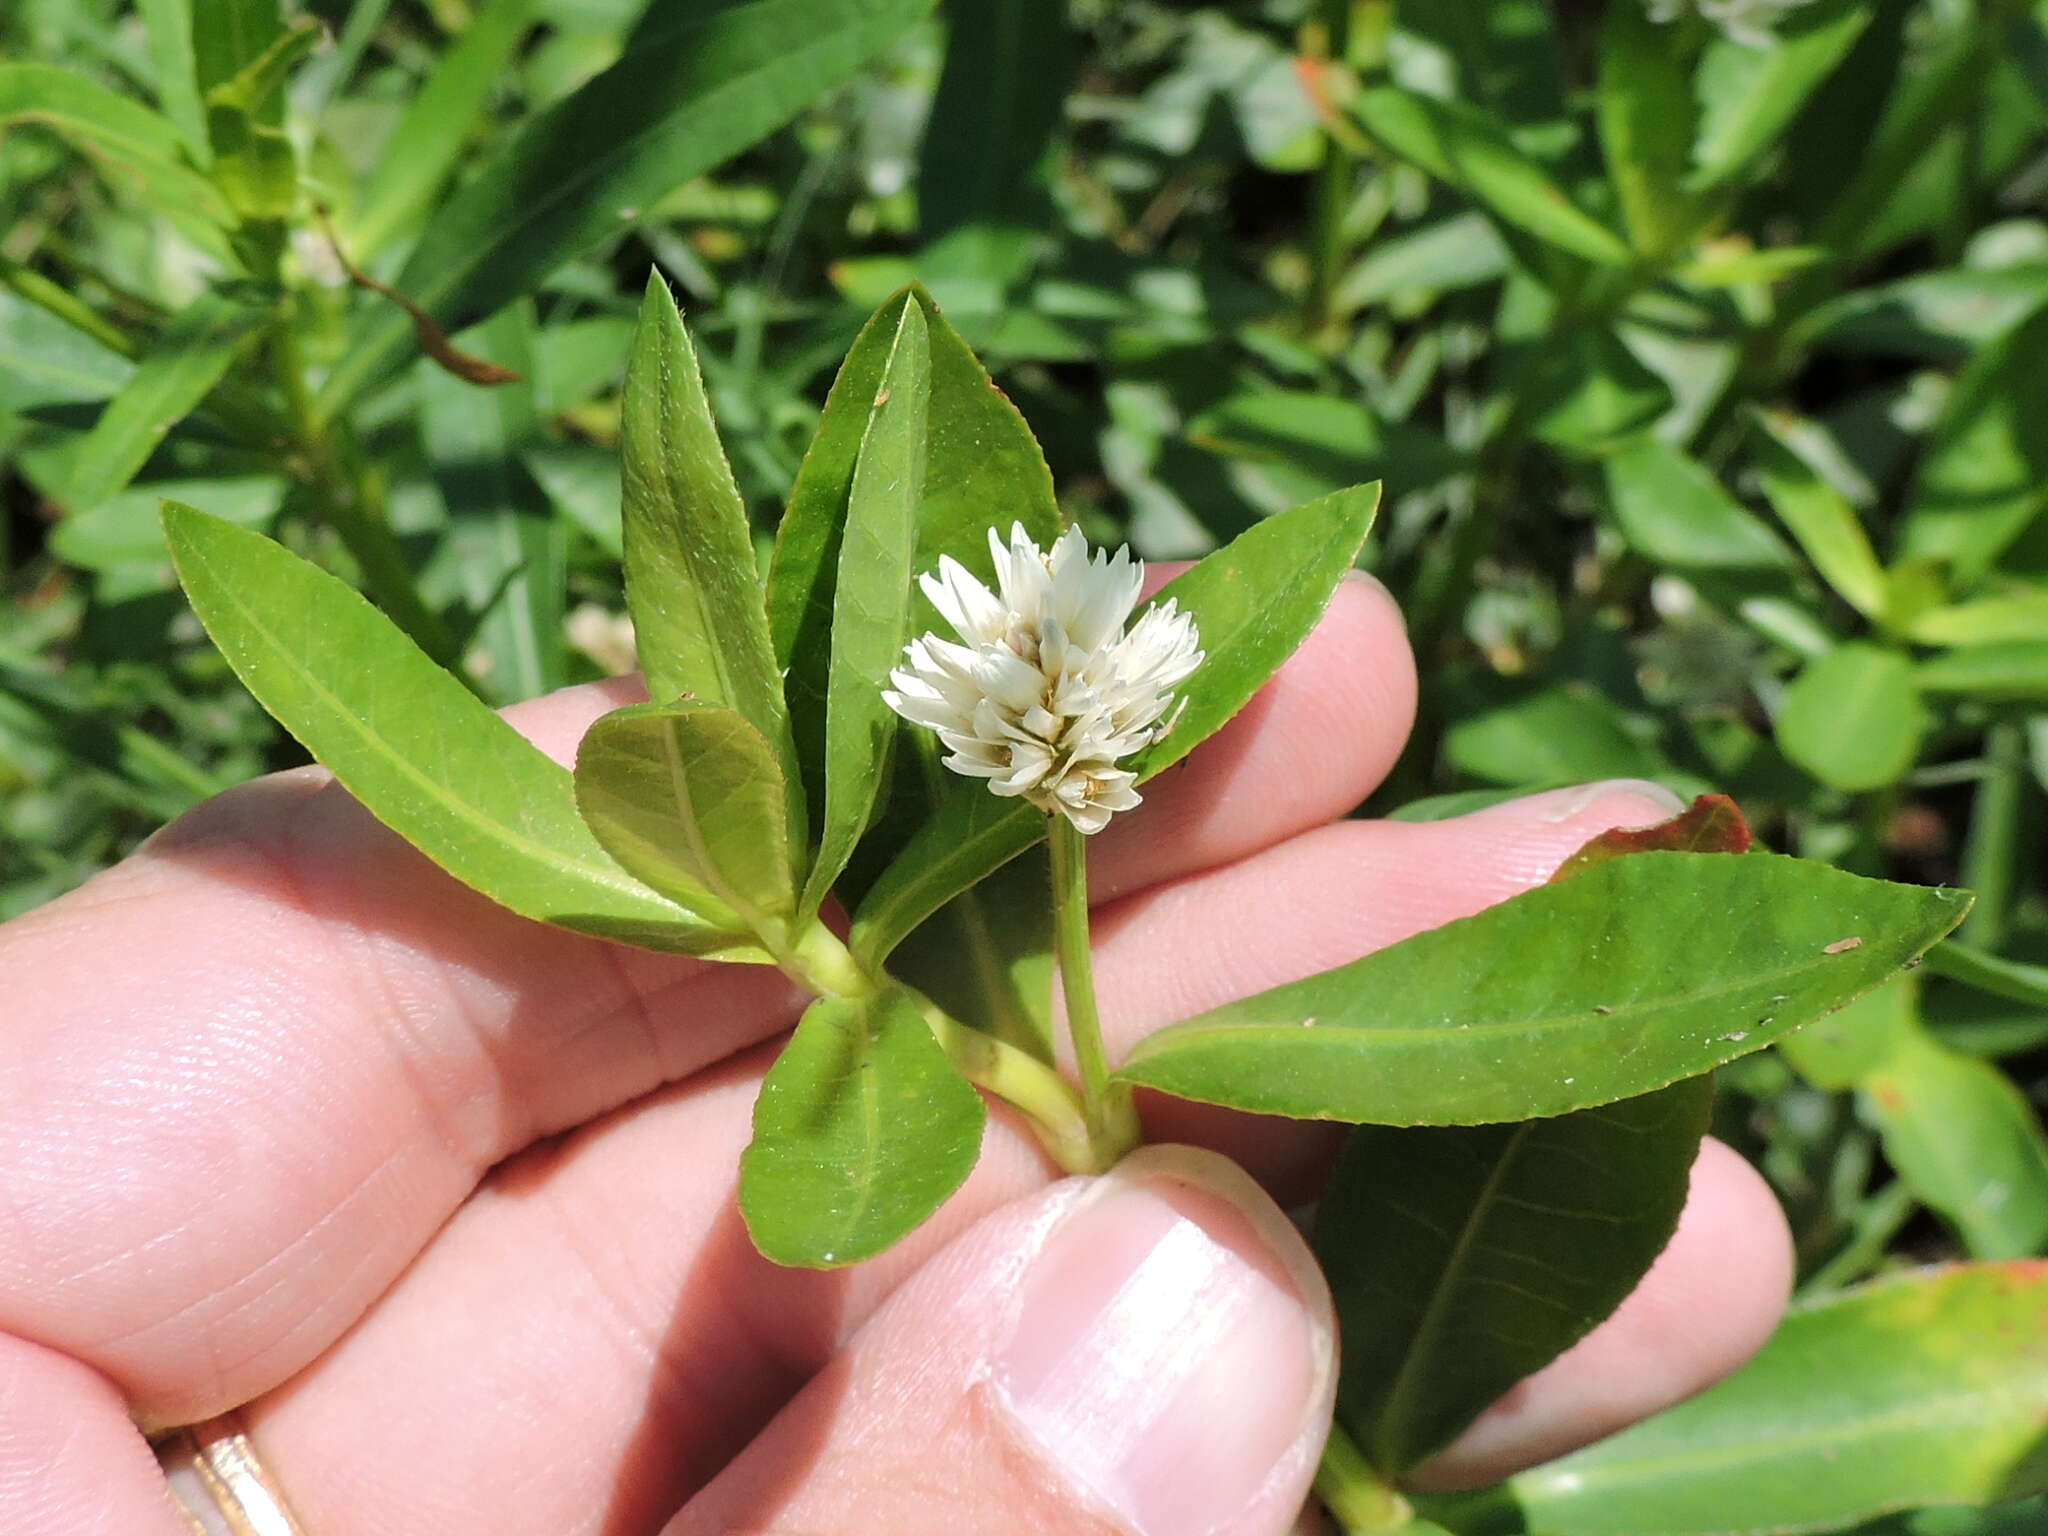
932	700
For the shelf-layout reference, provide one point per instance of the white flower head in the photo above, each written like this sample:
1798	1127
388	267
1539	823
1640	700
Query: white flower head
1046	693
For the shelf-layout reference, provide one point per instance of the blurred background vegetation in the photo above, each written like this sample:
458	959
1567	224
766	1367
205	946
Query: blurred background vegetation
1703	348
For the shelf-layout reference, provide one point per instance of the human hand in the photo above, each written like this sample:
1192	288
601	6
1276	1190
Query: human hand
442	1200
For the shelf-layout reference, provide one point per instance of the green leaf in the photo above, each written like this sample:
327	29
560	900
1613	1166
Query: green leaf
1618	981
1981	483
861	1131
1925	1389
43	361
1466	149
1592	394
1464	1258
981	467
175	68
1563	734
436	127
1338	441
134	148
692	584
421	752
1991	973
1987	621
1749	96
229	35
1965	1140
689	798
193	354
2011	669
505	544
1823	522
871	600
1673	511
699	81
998	104
1646	126
1853	717
1253	603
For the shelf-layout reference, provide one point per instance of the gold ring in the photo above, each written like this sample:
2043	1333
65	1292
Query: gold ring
220	1486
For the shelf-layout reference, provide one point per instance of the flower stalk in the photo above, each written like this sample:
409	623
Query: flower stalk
1106	1105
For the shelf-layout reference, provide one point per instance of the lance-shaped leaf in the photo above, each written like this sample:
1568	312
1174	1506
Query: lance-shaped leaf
981	465
691	582
1463	147
1821	519
195	351
423	754
698	81
1926	1389
1646	126
861	1131
1749	95
1618	981
1464	1258
871	602
690	799
1253	601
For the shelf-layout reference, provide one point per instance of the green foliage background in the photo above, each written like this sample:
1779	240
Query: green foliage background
1707	373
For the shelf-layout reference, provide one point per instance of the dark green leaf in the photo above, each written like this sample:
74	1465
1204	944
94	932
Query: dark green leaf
229	35
1464	1258
1008	65
871	601
192	355
1748	96
409	741
861	1131
1562	734
699	81
1985	476
1592	394
175	67
1463	147
1991	973
1926	1389
692	584
1631	976
689	798
1853	718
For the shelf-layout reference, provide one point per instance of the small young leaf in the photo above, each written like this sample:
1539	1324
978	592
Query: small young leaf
421	752
871	601
1711	824
861	1131
691	581
1853	718
1924	1389
1467	149
1630	976
1254	601
690	799
1464	1258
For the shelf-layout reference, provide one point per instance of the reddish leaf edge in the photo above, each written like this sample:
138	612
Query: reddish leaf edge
1711	824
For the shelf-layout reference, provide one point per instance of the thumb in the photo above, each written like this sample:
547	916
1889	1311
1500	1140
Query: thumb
1148	1352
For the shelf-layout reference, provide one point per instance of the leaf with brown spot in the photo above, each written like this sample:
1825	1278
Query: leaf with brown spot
1711	824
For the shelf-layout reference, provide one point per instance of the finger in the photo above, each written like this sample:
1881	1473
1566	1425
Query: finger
1150	1352
1312	744
263	1060
639	1296
71	1463
1709	1303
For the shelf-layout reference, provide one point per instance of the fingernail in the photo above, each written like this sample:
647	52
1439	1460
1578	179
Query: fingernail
1172	1356
1624	802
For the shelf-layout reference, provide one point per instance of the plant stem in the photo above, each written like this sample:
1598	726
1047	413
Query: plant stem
44	294
1025	1083
1362	1501
1111	1118
344	504
1990	854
